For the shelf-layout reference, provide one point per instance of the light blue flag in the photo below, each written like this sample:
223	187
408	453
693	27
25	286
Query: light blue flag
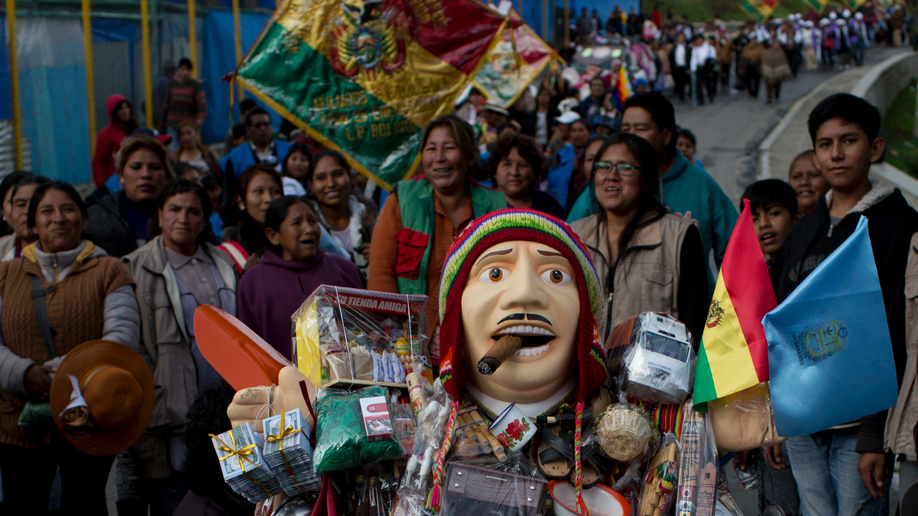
829	351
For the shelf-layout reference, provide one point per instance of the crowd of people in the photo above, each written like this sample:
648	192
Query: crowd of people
172	226
696	59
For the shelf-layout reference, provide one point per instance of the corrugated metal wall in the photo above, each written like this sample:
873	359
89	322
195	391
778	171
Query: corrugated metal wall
52	82
111	62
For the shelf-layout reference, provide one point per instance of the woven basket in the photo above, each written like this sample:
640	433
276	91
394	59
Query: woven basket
623	432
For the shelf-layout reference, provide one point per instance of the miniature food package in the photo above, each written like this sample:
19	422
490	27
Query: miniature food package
349	336
354	428
376	418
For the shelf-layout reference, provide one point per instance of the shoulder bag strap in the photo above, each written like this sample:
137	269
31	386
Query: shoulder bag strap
41	313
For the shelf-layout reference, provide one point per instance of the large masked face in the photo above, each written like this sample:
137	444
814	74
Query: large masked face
526	289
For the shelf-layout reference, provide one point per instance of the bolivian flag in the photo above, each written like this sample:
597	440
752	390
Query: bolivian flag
760	8
818	5
623	88
365	76
734	354
519	56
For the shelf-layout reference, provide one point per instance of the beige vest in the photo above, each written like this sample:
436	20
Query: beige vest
648	277
901	421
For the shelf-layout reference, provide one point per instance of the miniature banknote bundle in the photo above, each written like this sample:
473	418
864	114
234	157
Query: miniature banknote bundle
288	452
243	464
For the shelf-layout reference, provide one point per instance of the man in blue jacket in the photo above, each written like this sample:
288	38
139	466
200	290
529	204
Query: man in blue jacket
261	147
685	189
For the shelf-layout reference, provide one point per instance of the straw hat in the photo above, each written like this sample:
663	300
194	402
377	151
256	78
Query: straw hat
118	390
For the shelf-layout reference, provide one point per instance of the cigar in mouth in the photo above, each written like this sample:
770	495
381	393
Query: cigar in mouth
503	349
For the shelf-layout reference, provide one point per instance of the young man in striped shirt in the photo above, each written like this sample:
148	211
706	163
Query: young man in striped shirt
184	101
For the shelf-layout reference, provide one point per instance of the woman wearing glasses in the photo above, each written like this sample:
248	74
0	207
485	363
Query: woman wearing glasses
647	259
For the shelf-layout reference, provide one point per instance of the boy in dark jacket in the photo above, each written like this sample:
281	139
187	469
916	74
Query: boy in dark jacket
844	130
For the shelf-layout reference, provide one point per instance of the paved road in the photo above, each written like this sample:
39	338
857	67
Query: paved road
730	130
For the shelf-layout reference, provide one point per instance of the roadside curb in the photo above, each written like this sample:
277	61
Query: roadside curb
769	141
866	87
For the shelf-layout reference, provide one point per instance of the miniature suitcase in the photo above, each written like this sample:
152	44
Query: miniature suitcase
474	491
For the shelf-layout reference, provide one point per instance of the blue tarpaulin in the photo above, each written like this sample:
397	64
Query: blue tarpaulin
220	59
115	30
262	4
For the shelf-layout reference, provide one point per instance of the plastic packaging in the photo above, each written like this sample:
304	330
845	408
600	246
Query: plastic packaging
474	440
726	505
667	418
412	493
744	420
513	486
36	413
625	433
354	428
696	492
626	479
303	503
660	479
371	502
755	464
348	336
658	364
403	418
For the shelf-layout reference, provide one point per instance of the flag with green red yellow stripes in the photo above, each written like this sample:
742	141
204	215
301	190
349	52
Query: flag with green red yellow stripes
365	76
762	9
818	5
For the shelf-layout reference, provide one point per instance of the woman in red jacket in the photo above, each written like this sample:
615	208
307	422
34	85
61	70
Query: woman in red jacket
121	124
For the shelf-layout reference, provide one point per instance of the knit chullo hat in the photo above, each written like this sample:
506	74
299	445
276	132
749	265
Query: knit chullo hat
504	226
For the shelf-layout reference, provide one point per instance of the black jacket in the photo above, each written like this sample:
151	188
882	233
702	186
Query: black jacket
672	56
107	227
891	223
527	121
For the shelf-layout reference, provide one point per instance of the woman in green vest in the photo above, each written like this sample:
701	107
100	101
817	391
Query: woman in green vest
423	216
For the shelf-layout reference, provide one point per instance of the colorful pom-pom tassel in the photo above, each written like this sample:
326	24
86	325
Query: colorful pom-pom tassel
433	501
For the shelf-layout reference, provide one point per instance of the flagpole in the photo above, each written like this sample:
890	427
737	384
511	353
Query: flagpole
545	24
193	38
14	81
567	20
90	89
147	65
237	36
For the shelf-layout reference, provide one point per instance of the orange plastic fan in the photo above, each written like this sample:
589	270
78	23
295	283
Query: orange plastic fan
240	356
